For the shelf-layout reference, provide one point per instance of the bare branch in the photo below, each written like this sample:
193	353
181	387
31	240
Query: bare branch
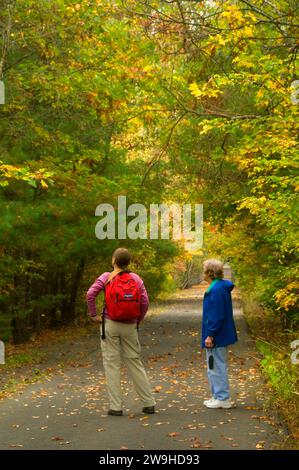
163	150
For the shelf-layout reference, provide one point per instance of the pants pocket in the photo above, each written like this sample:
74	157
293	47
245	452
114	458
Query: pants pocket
131	347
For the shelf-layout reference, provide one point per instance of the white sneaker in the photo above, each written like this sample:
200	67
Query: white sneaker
209	400
219	404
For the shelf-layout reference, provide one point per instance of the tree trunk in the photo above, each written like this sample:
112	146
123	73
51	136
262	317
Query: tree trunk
71	313
20	330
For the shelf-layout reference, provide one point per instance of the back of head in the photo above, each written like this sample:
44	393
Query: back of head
121	257
213	268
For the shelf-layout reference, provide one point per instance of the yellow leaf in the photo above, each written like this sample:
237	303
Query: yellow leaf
248	30
195	91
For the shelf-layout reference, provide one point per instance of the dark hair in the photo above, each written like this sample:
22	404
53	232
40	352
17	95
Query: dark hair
121	257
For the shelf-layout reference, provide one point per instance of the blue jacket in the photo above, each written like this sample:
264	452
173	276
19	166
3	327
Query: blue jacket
217	318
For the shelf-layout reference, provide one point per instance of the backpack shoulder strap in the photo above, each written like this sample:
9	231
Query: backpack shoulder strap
110	277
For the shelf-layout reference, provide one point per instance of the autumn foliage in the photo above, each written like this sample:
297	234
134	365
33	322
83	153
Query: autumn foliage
160	101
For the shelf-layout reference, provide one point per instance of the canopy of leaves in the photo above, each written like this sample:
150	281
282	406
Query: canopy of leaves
162	102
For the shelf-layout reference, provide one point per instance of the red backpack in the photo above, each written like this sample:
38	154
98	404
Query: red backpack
122	297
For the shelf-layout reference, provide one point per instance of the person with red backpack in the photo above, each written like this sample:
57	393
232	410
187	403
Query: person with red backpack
126	304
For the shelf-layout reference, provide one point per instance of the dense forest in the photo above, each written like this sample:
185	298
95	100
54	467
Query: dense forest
161	101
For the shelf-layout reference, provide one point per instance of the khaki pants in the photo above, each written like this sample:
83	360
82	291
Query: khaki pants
122	343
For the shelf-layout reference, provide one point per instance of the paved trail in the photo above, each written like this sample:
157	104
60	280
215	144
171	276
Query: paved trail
67	410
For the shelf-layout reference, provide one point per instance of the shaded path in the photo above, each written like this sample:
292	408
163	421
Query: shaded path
67	410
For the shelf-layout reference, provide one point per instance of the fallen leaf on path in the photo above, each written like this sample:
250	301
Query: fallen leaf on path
57	438
260	445
208	445
173	434
196	444
15	445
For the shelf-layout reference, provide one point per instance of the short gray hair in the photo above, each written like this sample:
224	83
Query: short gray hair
213	268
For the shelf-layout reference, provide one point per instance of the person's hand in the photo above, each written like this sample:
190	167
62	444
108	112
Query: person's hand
209	342
96	319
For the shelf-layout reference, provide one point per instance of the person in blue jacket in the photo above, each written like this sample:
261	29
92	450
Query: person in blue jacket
218	331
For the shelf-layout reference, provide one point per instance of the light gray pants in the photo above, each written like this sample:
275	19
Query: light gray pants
218	375
122	343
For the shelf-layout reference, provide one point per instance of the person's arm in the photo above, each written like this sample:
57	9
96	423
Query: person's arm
216	313
92	294
144	301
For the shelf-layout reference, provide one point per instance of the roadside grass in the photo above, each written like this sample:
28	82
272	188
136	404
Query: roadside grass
282	377
12	380
24	358
24	363
16	385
